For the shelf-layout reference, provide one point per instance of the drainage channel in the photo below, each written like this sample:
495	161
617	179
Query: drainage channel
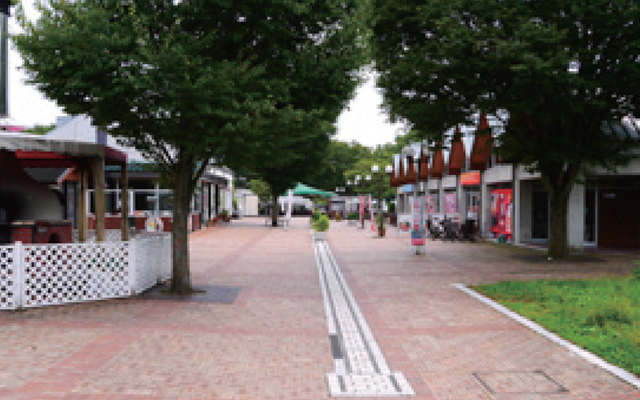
360	367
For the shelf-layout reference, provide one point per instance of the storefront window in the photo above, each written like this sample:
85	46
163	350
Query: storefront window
540	215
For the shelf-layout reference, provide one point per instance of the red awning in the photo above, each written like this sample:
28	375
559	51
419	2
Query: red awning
437	165
457	155
424	168
43	159
482	143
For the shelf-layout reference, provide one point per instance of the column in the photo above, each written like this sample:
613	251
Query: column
575	218
124	202
484	206
98	183
515	205
82	202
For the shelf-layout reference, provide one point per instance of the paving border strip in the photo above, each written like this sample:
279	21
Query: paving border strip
360	367
588	356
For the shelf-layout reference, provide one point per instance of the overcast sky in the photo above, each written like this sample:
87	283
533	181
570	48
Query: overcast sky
362	121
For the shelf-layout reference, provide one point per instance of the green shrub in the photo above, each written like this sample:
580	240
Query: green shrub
322	224
315	216
609	314
354	216
636	272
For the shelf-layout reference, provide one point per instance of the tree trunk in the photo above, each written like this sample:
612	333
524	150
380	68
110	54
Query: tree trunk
181	282
558	241
275	210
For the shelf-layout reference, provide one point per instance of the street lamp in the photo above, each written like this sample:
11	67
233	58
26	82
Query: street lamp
367	180
376	171
413	153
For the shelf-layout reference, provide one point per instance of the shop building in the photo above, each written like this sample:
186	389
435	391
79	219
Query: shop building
504	200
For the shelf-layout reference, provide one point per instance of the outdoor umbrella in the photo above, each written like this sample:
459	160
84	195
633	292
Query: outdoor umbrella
303	190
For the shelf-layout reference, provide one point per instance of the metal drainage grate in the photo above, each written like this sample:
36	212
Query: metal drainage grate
527	382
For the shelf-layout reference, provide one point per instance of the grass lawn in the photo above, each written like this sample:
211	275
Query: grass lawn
602	316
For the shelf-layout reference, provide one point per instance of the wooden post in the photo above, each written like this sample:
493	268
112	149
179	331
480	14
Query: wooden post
124	201
82	203
98	183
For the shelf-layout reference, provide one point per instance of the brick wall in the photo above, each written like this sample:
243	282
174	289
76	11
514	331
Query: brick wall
52	232
22	233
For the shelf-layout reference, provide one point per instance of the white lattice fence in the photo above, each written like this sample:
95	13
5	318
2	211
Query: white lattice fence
70	273
50	274
7	278
152	260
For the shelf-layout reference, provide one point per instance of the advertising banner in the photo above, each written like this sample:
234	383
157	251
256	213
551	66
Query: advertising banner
430	203
450	205
501	212
417	225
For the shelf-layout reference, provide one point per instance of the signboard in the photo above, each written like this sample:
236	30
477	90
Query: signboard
450	205
417	224
470	178
501	212
430	204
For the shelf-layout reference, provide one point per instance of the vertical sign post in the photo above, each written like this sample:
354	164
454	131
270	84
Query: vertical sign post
417	224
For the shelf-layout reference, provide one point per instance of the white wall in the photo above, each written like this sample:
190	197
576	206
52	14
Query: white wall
575	218
498	173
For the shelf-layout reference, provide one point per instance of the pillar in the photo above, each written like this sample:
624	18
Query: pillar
83	182
124	202
515	204
575	218
98	183
485	206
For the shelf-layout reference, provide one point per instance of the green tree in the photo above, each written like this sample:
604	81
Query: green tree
338	159
313	83
260	188
560	72
181	81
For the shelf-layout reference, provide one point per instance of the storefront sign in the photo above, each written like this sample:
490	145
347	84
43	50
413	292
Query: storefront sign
450	205
417	226
430	203
470	178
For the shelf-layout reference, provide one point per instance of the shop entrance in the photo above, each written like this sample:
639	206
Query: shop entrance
619	218
540	218
472	202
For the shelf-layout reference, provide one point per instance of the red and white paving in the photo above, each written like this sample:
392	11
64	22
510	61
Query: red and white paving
272	342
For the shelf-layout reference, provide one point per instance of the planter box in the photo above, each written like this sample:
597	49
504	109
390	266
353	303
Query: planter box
318	235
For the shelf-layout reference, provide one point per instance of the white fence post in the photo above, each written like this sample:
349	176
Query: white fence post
18	280
133	271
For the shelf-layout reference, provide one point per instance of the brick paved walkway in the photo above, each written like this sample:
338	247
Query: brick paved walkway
272	342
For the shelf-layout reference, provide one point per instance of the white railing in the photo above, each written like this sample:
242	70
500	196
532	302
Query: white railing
53	274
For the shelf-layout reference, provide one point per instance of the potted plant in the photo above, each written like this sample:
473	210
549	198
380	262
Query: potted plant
314	217
393	218
320	227
352	218
224	215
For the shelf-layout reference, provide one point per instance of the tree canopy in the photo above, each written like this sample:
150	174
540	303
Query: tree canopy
556	72
188	81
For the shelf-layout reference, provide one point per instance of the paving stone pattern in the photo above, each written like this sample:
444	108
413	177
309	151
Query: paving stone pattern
272	341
